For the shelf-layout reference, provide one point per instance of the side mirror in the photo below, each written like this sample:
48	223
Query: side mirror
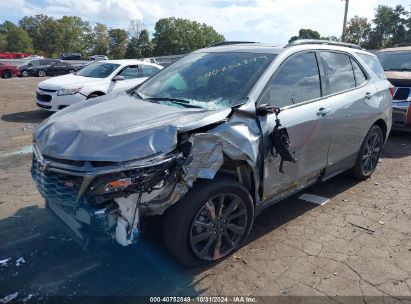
265	109
117	78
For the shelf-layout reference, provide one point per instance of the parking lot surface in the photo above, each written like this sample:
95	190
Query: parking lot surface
358	244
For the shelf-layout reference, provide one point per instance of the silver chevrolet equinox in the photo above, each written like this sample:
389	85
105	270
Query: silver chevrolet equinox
210	141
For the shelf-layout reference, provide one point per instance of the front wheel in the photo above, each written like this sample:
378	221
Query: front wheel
24	73
209	222
71	71
7	74
369	154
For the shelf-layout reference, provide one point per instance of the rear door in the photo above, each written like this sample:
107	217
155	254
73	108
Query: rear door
59	68
296	88
349	95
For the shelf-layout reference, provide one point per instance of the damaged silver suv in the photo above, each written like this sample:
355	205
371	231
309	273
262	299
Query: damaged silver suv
209	142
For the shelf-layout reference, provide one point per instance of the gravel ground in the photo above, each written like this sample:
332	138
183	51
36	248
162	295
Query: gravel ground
358	244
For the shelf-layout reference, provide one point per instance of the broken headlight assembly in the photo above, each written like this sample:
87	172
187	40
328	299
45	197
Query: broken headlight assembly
135	180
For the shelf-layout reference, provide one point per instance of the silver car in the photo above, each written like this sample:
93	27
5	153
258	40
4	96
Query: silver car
211	141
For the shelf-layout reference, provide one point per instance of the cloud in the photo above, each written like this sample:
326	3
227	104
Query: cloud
258	20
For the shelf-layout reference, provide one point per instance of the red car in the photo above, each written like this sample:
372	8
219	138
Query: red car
8	70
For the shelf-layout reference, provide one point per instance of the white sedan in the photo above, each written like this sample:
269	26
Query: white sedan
96	79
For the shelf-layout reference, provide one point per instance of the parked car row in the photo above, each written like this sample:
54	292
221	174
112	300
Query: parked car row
47	67
208	142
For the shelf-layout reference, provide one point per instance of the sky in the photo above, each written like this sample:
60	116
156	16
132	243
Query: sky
251	20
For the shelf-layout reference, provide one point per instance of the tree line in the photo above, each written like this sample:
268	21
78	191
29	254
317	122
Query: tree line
391	26
48	36
45	35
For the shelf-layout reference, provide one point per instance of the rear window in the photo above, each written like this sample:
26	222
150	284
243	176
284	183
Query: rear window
339	71
395	61
373	63
360	77
149	70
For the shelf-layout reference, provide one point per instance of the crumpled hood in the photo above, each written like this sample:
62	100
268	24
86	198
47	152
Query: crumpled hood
67	81
118	128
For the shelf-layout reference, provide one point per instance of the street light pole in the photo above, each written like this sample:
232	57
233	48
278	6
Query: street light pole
345	20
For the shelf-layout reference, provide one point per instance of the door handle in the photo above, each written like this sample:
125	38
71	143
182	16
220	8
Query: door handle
368	95
322	112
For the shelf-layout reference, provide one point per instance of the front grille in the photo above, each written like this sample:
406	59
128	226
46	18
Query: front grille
43	97
56	187
402	94
43	106
47	90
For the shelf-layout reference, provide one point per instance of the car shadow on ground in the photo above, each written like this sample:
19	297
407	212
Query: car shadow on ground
398	145
35	116
55	265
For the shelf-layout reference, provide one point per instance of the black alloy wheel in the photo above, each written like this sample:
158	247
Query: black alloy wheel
218	226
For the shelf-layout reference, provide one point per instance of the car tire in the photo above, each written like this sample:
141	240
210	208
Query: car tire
24	73
192	235
7	74
71	71
369	154
41	73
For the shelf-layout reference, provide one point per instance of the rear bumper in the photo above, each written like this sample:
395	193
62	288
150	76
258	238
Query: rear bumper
401	114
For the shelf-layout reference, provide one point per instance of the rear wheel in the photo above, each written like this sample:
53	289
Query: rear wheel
369	153
7	74
41	73
71	71
210	222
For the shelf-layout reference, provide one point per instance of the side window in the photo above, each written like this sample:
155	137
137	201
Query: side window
36	62
358	73
339	71
130	72
148	70
297	80
374	64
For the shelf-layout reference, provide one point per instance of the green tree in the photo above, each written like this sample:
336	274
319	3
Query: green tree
133	49
14	38
358	30
389	29
44	32
74	34
146	46
305	34
118	43
179	36
99	40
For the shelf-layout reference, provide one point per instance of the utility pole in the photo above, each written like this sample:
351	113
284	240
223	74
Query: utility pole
345	20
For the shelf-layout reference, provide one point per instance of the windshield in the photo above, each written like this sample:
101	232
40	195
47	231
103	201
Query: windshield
395	61
209	80
98	70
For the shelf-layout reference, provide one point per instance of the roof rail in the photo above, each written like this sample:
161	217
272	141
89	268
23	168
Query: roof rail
318	41
231	42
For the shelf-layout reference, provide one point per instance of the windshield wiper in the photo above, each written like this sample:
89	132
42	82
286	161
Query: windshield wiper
178	101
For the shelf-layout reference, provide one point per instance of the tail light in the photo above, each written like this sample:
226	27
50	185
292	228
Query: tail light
392	90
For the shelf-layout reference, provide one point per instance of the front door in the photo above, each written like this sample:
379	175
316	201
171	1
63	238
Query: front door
296	89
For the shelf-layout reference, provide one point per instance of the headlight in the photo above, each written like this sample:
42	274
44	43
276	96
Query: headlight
69	91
